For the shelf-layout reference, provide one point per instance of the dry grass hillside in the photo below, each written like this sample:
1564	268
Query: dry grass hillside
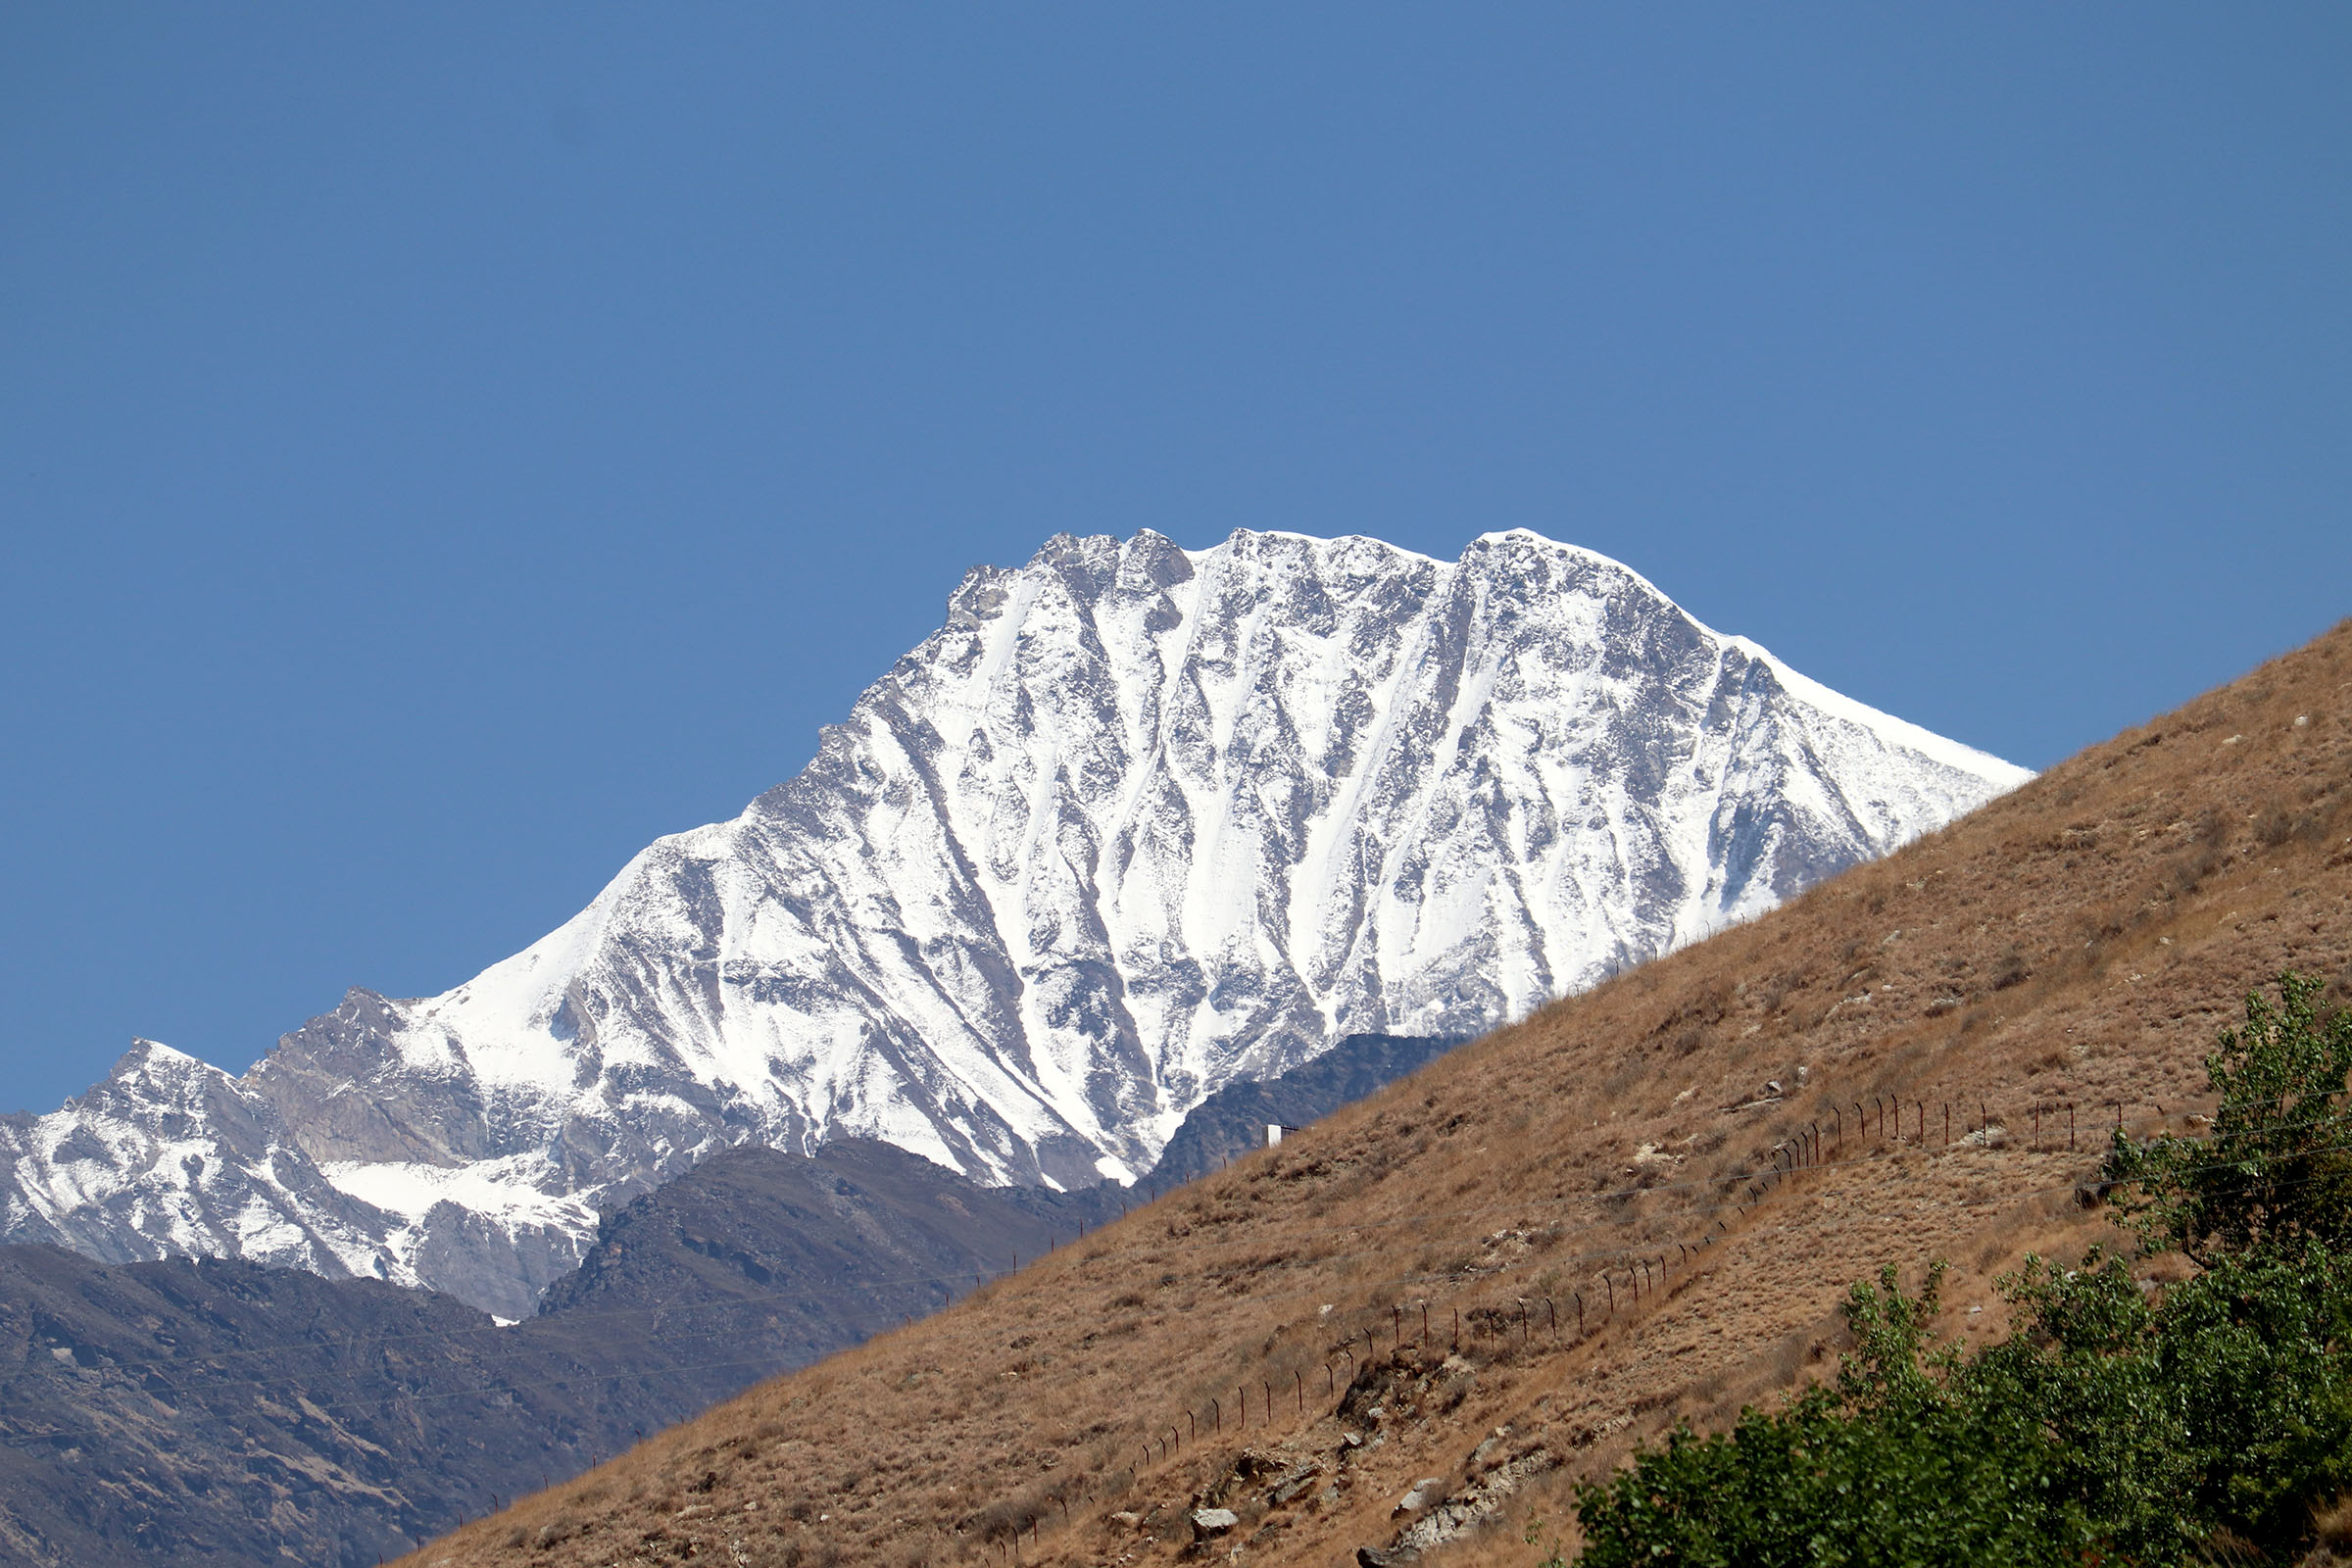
1255	1342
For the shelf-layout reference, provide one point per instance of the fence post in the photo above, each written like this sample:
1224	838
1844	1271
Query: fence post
1580	1314
1298	1384
1948	1124
2070	1125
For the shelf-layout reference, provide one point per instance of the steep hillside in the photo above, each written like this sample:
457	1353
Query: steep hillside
2074	944
1134	824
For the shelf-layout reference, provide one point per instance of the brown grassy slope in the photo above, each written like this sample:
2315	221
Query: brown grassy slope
2078	941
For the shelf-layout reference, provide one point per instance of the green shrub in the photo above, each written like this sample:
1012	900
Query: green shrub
2118	1424
2277	1165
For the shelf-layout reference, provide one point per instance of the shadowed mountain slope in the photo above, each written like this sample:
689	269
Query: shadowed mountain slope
827	1249
1232	1121
219	1412
2054	962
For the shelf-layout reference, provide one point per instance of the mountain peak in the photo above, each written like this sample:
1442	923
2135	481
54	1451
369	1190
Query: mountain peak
1134	824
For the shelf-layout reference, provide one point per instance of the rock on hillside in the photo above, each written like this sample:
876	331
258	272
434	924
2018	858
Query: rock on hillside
1136	823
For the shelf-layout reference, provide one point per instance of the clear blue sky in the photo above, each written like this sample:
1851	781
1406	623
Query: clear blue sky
443	447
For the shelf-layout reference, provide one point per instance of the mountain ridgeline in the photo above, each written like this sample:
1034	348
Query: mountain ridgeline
1136	824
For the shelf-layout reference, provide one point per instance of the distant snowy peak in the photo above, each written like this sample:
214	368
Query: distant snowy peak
1135	823
166	1156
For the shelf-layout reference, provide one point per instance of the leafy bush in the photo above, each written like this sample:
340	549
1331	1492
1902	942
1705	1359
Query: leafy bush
2116	1424
2279	1163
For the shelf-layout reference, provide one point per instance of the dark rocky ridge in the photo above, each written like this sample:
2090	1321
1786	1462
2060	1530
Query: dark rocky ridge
1232	1121
219	1412
223	1413
804	1255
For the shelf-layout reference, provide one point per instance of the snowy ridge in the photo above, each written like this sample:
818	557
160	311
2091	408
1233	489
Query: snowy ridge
1135	823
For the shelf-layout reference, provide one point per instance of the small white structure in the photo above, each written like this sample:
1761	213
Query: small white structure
1273	1134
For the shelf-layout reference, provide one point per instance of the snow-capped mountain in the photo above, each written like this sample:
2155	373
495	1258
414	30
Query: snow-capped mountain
1136	823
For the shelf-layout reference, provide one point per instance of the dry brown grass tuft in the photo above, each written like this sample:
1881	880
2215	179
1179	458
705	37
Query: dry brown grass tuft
2078	943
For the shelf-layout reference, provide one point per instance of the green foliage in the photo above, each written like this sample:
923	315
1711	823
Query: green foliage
1535	1538
2277	1166
2119	1424
1903	1461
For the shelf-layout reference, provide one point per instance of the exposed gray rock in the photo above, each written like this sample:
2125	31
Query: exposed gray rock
1476	1504
1425	1492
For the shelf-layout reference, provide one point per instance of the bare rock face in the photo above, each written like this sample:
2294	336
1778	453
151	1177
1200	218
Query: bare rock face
1135	824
